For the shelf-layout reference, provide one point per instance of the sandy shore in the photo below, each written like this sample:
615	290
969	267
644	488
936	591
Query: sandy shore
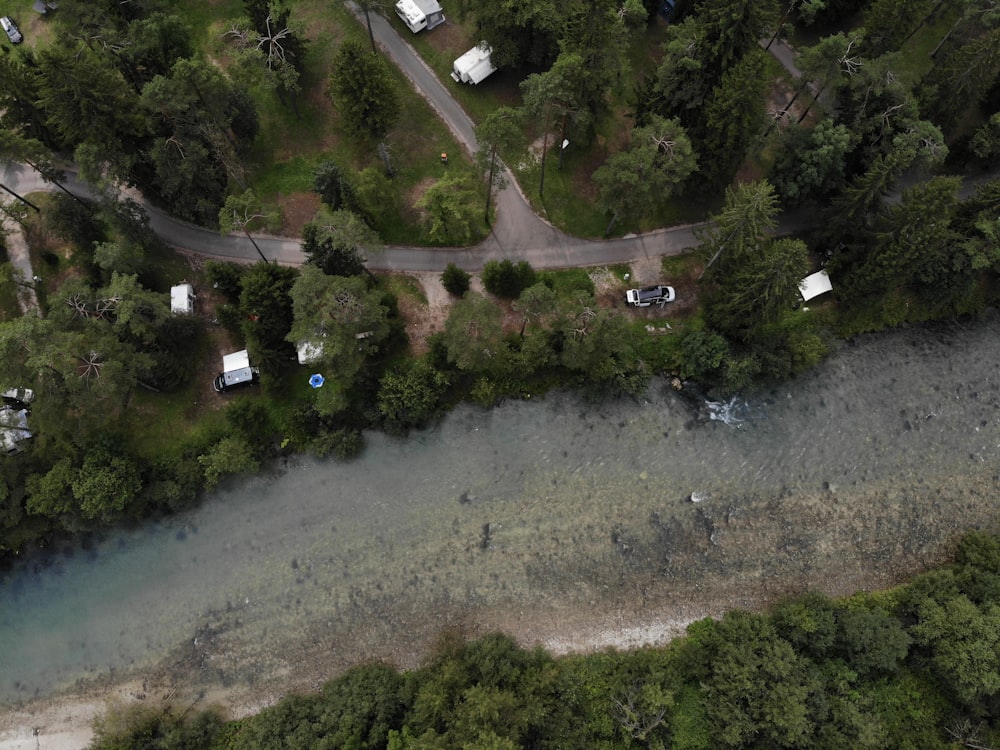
65	722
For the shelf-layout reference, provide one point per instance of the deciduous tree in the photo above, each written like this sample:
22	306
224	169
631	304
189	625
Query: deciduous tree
473	335
342	317
813	162
450	214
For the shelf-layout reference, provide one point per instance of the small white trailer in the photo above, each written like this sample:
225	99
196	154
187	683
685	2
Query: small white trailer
474	65
182	299
420	14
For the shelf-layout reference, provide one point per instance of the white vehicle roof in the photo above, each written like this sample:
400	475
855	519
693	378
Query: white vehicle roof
235	361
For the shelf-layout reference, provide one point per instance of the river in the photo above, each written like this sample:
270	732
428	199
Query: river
567	523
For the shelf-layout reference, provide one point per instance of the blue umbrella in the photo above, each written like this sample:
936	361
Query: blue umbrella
316	380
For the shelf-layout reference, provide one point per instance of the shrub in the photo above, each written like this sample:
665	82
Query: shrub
506	279
344	444
455	280
568	282
226	278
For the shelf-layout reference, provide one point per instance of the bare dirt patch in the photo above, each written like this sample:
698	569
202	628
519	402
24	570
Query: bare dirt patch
422	320
297	209
610	289
450	38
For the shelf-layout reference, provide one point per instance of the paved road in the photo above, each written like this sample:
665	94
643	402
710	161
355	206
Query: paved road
518	234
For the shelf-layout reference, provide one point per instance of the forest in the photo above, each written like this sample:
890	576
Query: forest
885	141
914	667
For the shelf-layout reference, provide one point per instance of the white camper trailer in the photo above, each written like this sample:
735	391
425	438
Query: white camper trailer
236	370
474	65
182	299
420	14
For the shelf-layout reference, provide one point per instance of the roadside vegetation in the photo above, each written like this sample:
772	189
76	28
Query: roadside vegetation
277	116
916	666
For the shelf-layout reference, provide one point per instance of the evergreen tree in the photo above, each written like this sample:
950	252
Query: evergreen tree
363	92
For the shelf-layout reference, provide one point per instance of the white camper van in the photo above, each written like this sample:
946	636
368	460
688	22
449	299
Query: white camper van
420	14
474	65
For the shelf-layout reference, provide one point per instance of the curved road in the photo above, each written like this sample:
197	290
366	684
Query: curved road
518	233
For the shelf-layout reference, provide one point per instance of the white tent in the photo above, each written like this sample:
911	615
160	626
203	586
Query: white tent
182	299
474	65
815	285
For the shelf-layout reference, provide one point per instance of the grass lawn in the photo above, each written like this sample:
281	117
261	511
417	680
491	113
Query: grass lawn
290	147
440	47
915	56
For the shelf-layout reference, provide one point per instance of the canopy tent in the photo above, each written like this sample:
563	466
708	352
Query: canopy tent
814	285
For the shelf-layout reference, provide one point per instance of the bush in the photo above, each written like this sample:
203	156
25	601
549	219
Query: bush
226	278
411	397
702	354
455	280
506	279
566	283
344	444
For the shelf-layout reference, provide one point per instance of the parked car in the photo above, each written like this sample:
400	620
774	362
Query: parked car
660	294
13	33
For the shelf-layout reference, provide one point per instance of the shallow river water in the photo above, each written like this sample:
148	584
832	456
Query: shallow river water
567	523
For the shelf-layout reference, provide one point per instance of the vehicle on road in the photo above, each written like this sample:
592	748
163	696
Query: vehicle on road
13	33
660	294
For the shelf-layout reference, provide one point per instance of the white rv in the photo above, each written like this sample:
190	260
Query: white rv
420	14
474	65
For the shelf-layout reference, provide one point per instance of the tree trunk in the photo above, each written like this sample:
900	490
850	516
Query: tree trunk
945	38
21	198
815	99
371	34
489	184
255	245
545	148
781	24
921	24
562	140
56	182
611	224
